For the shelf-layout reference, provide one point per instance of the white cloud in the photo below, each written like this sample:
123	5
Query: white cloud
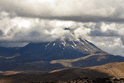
22	28
13	44
82	32
108	36
33	29
107	29
111	45
77	10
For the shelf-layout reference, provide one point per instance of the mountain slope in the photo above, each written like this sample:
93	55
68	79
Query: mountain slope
62	53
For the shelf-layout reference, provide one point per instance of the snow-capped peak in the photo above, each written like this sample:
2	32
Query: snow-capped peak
73	43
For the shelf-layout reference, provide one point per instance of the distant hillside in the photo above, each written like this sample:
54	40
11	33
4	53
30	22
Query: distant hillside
108	73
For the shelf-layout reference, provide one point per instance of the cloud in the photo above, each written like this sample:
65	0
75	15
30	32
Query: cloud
33	29
82	32
108	29
122	38
108	36
107	33
1	33
113	45
19	31
76	10
13	44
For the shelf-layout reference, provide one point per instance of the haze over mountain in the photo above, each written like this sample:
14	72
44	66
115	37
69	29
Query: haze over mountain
69	51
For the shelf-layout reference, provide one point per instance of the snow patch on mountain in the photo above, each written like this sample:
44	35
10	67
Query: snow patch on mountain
64	43
54	44
73	46
47	44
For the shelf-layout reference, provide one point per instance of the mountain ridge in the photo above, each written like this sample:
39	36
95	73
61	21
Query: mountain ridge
62	53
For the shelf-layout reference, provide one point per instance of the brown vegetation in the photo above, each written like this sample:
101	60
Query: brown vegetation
108	73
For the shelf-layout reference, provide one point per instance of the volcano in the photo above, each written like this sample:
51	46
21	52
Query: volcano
66	52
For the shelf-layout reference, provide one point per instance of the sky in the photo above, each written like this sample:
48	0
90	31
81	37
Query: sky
98	21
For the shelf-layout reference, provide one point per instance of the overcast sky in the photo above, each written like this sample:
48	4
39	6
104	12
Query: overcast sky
99	21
